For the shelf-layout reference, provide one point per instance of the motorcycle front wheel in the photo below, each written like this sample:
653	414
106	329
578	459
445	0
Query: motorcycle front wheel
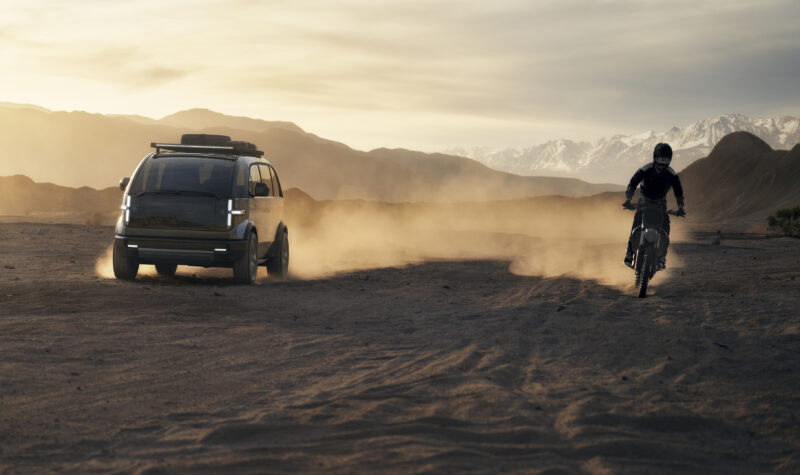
645	267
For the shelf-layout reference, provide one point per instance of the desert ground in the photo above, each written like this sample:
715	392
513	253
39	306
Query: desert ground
484	362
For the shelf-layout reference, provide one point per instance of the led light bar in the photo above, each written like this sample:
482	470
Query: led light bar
233	212
126	206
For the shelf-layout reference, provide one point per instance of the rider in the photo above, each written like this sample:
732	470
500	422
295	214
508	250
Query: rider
656	178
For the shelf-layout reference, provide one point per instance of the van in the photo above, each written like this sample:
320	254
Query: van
208	201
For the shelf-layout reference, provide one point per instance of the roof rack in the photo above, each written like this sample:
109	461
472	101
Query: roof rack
240	148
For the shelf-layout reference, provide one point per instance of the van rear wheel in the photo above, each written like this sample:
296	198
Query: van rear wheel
278	266
125	266
246	268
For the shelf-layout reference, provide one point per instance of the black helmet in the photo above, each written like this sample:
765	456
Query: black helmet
662	154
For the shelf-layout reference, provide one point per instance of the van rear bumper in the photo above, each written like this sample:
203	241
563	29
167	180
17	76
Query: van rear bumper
191	252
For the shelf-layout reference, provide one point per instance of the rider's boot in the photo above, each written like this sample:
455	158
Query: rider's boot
662	263
629	259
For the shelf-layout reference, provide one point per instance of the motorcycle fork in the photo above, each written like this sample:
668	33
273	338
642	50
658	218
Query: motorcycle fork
642	231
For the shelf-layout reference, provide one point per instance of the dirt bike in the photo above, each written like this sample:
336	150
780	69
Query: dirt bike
649	239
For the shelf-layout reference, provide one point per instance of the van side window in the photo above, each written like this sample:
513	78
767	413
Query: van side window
255	177
278	189
266	177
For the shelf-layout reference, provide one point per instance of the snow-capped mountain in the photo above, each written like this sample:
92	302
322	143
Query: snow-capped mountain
613	159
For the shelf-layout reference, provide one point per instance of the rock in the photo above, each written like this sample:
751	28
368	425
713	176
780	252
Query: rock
715	241
560	308
9	266
218	293
40	231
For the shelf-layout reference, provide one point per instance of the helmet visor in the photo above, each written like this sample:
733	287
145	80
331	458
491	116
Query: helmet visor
662	160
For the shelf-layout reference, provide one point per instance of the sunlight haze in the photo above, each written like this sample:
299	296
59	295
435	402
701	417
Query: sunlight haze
425	75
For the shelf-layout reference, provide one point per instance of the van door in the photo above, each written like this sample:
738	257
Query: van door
274	208
259	211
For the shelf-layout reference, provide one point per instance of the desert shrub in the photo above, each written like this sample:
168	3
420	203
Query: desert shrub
786	222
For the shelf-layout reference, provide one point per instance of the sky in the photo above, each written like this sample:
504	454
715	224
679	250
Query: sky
426	75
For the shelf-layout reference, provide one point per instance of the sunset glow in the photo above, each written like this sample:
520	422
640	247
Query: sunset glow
425	75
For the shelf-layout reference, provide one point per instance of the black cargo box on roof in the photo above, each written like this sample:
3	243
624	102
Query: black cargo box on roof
243	146
205	139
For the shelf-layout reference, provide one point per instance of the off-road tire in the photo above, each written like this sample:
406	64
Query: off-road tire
637	282
125	267
246	268
167	270
647	271
278	266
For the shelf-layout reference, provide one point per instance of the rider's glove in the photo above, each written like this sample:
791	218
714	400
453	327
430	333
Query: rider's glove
627	205
680	212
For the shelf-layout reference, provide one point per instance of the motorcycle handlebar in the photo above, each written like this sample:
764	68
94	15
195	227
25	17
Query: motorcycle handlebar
671	211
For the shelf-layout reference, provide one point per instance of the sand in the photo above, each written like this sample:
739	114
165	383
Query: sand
443	365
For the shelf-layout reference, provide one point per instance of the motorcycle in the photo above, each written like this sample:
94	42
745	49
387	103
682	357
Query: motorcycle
652	239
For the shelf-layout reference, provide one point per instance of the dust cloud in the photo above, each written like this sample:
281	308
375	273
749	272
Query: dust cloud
583	238
104	267
552	236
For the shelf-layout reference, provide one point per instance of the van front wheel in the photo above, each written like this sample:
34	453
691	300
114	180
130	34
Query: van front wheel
167	270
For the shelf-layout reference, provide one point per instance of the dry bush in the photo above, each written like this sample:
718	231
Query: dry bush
785	222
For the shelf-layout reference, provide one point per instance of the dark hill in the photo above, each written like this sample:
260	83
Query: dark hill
19	196
742	176
201	118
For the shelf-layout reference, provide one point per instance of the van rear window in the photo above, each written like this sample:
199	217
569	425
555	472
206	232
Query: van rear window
190	174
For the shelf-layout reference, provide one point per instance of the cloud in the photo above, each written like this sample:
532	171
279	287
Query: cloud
603	64
510	59
123	66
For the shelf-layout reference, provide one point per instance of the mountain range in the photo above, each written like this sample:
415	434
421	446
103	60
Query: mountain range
614	159
81	149
742	179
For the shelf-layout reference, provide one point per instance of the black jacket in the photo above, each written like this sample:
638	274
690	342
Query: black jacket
655	185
